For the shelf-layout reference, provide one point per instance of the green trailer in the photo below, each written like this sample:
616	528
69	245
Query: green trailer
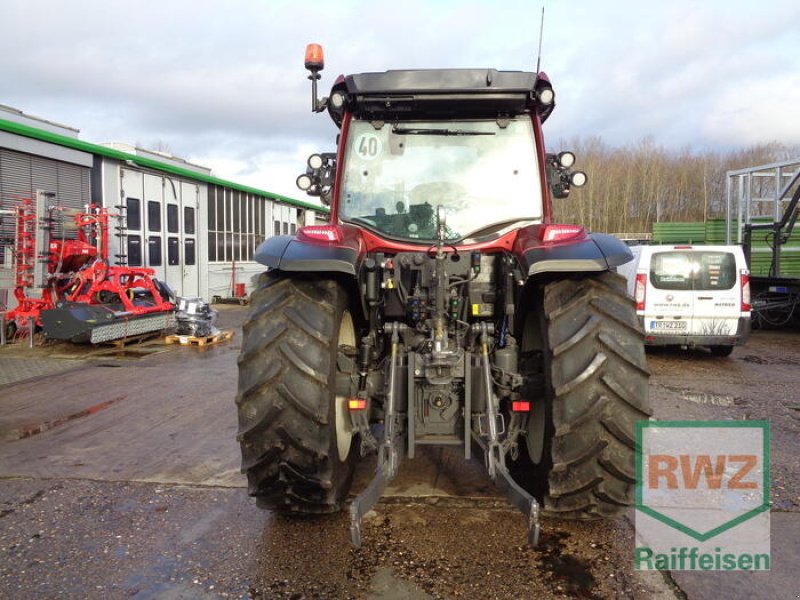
761	214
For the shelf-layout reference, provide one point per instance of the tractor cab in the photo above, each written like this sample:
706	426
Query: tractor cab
482	173
462	143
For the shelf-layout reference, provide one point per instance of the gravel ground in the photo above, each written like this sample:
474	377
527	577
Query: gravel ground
87	539
758	382
447	552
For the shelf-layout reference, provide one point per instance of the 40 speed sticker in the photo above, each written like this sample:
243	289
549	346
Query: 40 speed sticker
368	146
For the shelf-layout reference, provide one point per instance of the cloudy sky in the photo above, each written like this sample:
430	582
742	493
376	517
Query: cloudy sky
222	84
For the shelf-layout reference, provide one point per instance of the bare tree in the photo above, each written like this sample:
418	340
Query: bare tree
634	186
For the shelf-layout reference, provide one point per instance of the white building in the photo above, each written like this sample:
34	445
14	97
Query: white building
198	232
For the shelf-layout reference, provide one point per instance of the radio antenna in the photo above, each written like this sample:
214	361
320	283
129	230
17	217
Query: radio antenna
541	33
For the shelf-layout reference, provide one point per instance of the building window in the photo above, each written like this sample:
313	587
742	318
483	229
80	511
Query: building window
173	251
212	247
189	253
229	224
135	250
220	204
173	226
227	245
220	246
188	220
235	202
154	250
235	221
259	218
134	213
153	216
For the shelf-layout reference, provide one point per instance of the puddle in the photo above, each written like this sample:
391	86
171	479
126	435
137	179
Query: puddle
571	573
724	400
129	353
710	399
29	430
769	360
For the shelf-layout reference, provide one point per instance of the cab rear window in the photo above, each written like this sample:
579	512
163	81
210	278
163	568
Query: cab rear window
699	271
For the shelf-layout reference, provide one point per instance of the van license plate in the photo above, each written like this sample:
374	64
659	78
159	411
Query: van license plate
668	324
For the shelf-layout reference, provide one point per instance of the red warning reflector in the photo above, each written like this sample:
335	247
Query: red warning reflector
357	404
521	406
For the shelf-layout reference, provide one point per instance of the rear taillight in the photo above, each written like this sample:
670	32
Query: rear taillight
560	233
640	291
320	233
745	279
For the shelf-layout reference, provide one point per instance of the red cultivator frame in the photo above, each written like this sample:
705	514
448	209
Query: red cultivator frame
83	298
25	258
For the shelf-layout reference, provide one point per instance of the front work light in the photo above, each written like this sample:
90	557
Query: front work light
337	100
315	161
546	96
566	159
578	179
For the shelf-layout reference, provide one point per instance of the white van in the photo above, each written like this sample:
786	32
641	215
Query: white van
691	295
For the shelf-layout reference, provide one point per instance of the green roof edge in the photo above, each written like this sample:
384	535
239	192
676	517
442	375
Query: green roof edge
76	144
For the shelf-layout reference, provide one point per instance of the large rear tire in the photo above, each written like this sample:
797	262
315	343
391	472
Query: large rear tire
295	434
593	364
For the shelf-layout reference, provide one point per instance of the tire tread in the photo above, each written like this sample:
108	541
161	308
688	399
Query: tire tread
595	345
285	368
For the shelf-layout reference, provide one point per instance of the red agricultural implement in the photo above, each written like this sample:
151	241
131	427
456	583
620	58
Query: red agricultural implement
81	297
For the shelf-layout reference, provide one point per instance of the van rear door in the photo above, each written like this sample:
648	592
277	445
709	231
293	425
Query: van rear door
718	297
693	292
670	299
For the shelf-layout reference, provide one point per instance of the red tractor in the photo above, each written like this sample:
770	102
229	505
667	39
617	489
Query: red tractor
83	298
441	306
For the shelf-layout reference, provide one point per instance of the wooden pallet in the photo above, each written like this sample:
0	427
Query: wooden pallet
190	340
241	301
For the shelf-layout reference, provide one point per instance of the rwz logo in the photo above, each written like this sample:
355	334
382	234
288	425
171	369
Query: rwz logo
696	481
687	471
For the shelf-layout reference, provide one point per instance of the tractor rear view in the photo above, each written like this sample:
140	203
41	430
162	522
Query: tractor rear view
441	306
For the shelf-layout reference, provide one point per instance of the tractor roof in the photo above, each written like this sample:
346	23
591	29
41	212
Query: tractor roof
441	94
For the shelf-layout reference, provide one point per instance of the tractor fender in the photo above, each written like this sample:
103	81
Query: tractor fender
596	252
287	253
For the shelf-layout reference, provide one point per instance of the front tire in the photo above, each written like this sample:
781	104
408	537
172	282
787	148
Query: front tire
295	436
